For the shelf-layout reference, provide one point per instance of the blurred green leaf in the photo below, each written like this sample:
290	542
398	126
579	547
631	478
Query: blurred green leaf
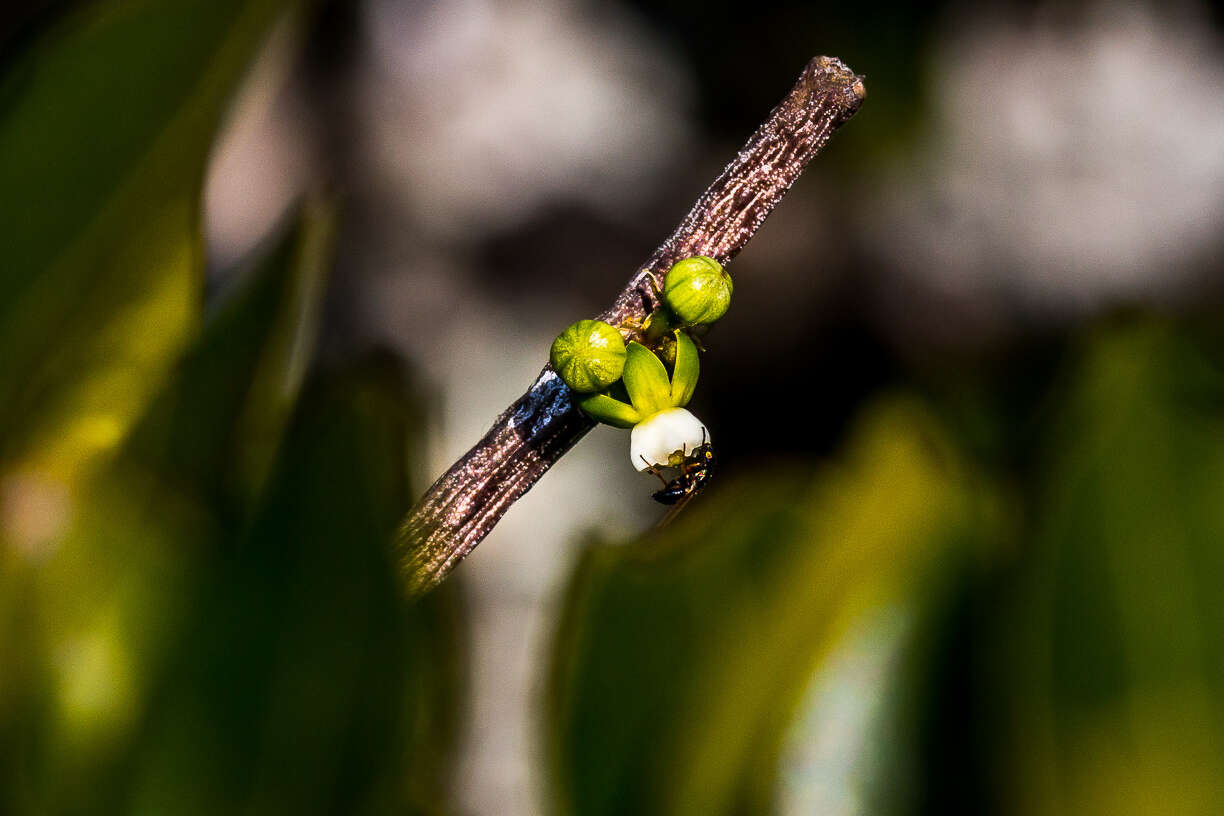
112	593
200	661
105	125
217	427
306	682
682	661
1117	665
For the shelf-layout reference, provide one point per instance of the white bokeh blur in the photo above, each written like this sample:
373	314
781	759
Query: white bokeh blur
1067	167
478	112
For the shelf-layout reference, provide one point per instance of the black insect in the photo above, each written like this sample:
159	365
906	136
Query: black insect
696	469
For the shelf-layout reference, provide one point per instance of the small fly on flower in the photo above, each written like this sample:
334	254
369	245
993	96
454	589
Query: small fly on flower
696	468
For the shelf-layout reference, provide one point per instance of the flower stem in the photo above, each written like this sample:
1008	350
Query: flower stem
462	506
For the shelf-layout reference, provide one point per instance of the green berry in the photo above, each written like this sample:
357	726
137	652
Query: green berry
589	356
698	290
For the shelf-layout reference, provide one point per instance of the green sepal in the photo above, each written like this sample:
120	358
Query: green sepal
609	411
647	380
688	366
658	323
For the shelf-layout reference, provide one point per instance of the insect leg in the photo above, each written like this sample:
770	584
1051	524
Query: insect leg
653	469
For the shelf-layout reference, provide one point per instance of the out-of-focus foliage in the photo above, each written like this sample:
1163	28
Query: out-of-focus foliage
105	125
111	592
203	641
1115	633
683	657
205	620
1048	644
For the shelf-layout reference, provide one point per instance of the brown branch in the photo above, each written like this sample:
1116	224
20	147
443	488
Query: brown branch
460	509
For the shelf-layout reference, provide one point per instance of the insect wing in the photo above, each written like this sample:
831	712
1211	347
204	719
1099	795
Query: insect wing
676	509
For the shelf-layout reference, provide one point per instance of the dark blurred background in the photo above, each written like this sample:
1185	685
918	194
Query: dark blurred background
1017	237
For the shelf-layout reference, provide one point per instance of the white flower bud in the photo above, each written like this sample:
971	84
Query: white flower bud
655	439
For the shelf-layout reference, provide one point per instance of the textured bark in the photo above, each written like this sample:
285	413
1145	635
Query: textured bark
460	509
